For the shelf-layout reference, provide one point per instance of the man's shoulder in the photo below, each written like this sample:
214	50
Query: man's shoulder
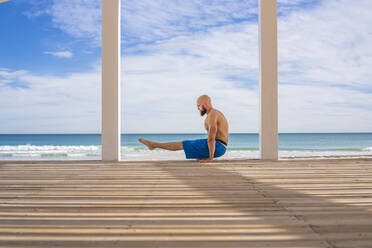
214	114
218	113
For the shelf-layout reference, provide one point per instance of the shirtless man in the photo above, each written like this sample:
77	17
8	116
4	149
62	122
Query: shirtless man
202	149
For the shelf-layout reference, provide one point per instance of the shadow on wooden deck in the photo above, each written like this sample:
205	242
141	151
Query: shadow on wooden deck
186	204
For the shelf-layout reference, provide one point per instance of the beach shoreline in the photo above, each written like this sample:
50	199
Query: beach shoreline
222	159
241	146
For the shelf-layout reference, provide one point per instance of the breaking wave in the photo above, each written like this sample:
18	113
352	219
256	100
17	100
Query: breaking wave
93	152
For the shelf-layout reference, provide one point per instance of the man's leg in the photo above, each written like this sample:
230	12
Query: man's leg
170	146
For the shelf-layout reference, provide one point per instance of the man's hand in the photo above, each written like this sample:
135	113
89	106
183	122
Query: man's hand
206	160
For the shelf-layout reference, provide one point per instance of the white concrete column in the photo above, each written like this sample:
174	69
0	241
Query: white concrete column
111	80
268	42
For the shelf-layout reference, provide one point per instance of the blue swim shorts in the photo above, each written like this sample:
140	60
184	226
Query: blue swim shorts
199	148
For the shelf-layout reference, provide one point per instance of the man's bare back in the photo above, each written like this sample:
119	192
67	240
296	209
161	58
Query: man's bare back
222	125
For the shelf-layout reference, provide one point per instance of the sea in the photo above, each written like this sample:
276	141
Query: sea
241	146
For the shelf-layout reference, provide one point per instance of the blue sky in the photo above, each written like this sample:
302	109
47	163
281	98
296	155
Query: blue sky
27	39
173	51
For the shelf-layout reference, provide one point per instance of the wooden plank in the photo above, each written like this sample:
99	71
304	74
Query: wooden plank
181	204
169	243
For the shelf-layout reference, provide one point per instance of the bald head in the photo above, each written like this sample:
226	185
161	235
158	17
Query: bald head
204	99
204	104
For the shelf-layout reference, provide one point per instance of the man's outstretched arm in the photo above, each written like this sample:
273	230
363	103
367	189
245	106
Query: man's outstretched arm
212	132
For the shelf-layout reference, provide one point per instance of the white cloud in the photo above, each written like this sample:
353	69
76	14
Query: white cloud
51	103
316	94
61	54
325	56
79	18
330	44
151	20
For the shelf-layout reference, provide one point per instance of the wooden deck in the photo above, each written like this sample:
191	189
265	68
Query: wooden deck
318	203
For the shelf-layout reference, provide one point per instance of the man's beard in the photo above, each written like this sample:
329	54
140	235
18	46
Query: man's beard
203	111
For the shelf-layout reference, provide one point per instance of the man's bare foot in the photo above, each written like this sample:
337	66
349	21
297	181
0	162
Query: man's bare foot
148	143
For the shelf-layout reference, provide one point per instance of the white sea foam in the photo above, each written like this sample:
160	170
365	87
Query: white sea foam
93	152
48	148
49	152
